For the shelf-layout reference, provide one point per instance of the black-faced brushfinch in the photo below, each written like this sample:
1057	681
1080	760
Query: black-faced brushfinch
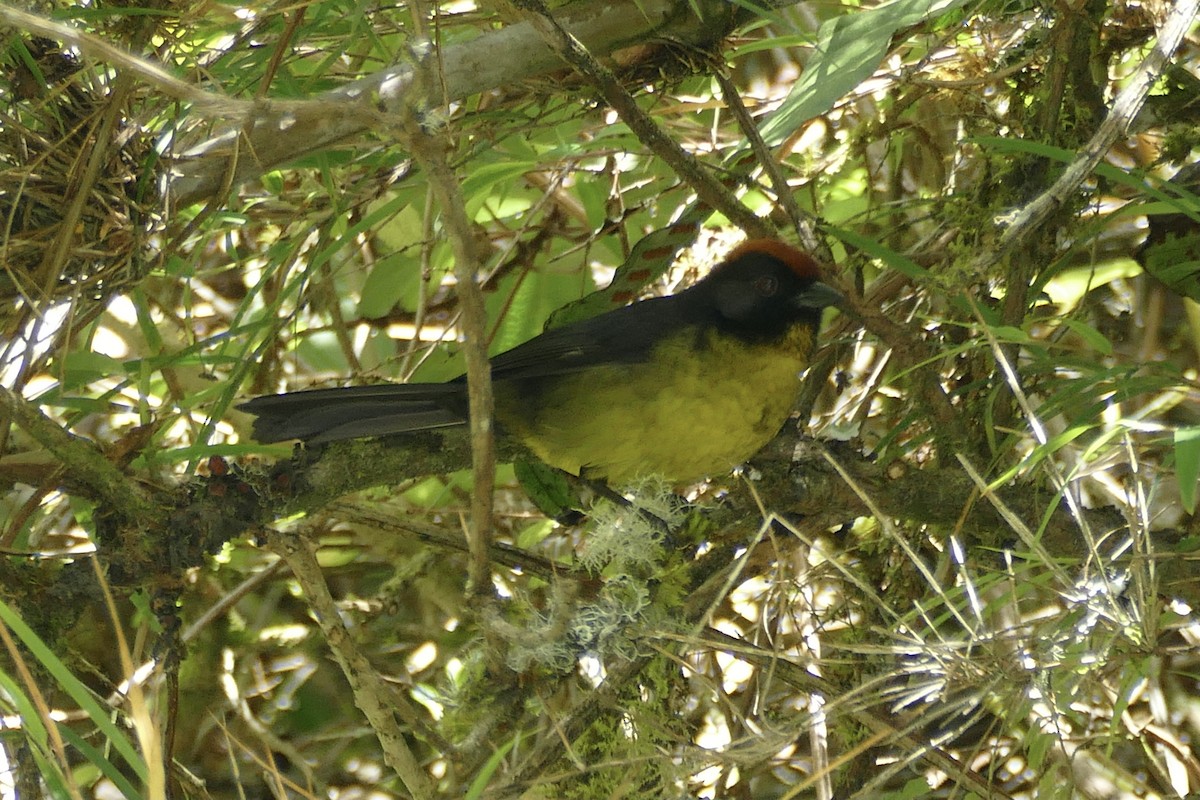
680	387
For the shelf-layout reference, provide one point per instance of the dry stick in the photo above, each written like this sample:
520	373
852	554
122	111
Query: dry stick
804	222
686	165
371	694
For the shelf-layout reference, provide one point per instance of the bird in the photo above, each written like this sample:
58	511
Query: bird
681	387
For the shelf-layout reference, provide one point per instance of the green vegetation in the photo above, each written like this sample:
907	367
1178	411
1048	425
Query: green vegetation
970	573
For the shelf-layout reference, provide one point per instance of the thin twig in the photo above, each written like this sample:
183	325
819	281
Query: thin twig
686	165
370	692
431	151
802	221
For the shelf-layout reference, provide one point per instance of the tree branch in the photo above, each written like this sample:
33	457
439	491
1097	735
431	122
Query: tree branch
371	694
430	150
496	60
84	465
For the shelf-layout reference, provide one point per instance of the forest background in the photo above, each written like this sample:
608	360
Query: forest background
970	571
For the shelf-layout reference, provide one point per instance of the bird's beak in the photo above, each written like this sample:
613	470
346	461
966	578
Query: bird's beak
819	295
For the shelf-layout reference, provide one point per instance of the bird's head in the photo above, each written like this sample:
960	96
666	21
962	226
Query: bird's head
764	287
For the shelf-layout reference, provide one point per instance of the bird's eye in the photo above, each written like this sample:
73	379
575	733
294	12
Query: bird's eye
766	285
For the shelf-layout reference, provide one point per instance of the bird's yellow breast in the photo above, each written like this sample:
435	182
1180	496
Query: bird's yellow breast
692	409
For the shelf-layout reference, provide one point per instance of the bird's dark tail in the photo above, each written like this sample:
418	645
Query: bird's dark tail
352	412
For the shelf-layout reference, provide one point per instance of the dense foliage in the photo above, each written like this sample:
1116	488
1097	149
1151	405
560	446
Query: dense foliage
970	572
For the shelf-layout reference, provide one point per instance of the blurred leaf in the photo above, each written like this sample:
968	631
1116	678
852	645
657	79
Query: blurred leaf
484	178
1038	744
33	728
871	247
81	367
479	784
1067	287
396	275
1010	335
429	493
97	758
1176	263
849	49
1187	465
323	353
391	278
532	535
1091	337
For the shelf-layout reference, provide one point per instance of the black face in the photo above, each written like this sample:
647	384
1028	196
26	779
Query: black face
757	297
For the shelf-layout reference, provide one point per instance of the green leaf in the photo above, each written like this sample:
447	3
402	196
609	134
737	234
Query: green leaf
82	367
96	758
395	278
33	727
1094	339
100	716
475	790
532	535
1010	335
849	49
900	263
547	487
1187	465
1037	745
390	279
323	353
488	175
913	789
1175	262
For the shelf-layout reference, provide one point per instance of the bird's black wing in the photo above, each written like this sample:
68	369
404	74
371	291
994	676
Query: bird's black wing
622	336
